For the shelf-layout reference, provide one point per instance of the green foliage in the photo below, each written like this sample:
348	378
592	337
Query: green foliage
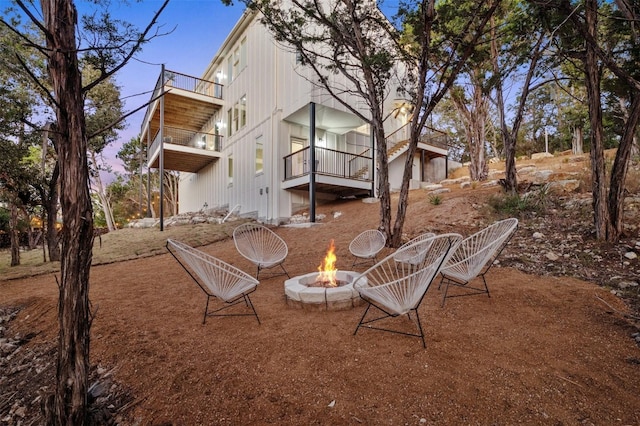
4	220
515	205
436	200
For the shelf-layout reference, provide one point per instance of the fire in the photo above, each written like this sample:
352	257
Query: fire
327	275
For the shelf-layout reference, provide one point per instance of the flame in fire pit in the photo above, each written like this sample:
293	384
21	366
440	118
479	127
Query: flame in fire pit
327	275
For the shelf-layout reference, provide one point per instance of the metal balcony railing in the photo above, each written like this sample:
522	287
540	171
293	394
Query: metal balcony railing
328	162
185	82
200	140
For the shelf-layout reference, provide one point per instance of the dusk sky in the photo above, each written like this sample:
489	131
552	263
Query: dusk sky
198	28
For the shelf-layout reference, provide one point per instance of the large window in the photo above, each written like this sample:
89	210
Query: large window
259	155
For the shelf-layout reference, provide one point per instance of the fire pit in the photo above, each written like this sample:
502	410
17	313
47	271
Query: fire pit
327	289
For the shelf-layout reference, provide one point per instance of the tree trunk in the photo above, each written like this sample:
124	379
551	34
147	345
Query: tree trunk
384	193
14	235
102	196
51	207
577	143
619	171
474	119
68	406
592	82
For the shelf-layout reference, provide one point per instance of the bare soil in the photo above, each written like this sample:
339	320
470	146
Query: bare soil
547	348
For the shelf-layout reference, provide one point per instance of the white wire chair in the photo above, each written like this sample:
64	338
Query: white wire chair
396	288
216	278
261	246
366	245
413	254
474	257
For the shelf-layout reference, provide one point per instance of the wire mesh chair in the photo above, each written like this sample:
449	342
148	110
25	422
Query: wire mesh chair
216	278
396	288
366	245
415	253
261	246
474	257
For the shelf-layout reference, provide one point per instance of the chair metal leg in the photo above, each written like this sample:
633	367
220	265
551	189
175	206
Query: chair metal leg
386	315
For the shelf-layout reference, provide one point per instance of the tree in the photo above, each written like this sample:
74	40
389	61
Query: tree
431	77
108	52
611	44
516	49
103	107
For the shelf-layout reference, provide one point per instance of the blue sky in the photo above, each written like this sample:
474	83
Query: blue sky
198	28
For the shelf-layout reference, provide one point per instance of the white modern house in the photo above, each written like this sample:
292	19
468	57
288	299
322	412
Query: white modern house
254	135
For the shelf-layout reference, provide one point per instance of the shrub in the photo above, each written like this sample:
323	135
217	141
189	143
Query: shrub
436	200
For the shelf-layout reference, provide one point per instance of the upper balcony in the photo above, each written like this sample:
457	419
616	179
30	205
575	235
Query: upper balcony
186	107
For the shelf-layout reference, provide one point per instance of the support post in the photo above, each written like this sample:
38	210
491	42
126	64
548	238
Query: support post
161	200
312	160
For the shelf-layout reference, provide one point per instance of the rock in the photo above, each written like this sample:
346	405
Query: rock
525	170
563	186
541	155
7	348
538	235
622	285
542	176
431	186
490	184
631	255
577	159
439	191
551	256
455	181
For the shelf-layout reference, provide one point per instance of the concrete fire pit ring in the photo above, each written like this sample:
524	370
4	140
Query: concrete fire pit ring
301	295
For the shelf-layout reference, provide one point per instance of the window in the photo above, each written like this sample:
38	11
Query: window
243	53
243	111
236	117
230	169
230	74
236	62
259	155
230	120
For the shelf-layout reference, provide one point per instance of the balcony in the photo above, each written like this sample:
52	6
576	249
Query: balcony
187	107
185	150
337	172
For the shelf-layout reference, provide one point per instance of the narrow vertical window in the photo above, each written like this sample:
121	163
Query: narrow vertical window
236	116
236	62
243	111
243	53
230	120
230	169
259	155
230	74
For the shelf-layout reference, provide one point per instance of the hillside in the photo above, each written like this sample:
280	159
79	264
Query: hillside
556	343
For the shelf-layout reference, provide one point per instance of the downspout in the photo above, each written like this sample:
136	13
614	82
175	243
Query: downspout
312	160
161	201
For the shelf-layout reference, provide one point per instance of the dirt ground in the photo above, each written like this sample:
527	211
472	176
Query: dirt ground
544	350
